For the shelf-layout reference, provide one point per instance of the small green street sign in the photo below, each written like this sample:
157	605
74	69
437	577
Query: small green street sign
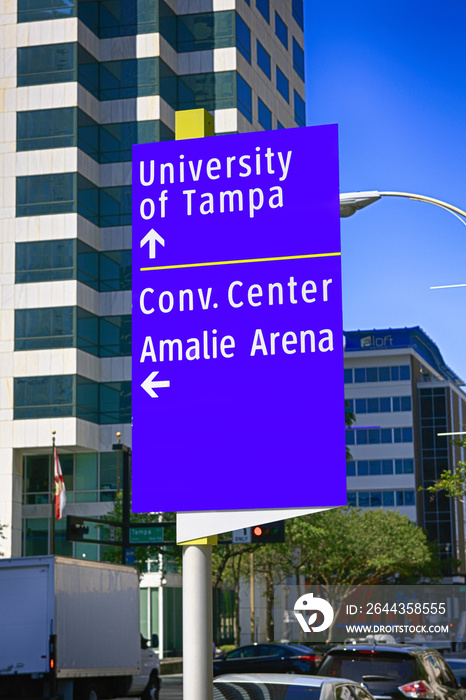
146	535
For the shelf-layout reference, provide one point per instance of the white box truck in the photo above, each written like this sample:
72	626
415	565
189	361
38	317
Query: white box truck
69	630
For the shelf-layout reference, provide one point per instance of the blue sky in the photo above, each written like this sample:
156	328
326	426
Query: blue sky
393	77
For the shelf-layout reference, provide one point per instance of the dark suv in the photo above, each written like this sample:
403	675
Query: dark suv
395	671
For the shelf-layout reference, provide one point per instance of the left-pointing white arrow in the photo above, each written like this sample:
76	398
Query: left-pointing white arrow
150	385
152	238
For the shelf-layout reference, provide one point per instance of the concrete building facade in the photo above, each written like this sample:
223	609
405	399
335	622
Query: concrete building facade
80	82
404	397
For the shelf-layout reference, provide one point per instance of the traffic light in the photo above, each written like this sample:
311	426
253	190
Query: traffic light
75	528
270	532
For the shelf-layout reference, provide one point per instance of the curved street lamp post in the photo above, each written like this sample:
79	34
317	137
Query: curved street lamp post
351	202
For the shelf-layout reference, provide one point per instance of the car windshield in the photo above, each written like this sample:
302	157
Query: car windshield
242	690
401	669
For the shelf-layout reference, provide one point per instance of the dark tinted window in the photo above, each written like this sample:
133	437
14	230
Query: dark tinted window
242	652
270	650
401	669
263	60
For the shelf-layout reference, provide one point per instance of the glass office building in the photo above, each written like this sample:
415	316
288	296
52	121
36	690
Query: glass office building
405	398
81	82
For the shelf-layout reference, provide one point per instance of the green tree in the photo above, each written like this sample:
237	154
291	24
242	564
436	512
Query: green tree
453	482
346	548
230	565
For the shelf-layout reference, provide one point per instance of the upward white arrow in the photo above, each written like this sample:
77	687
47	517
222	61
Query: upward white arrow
152	238
150	385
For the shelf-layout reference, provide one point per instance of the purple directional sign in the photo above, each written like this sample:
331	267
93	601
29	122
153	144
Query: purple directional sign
237	378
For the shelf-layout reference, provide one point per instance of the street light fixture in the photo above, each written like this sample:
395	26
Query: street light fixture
351	202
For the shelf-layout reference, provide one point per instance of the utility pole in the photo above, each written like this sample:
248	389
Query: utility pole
252	598
126	488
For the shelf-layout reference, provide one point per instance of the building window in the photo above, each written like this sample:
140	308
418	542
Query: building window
299	110
72	395
124	17
43	397
125	79
49	261
279	125
45	194
377	467
205	31
244	97
283	86
38	10
243	38
298	59
115	271
403	434
53	63
281	30
37	329
348	376
352	499
89	477
115	206
264	115
88	135
405	498
46	128
297	11
129	78
263	60
381	374
114	336
115	403
381	404
401	403
404	466
372	436
376	499
209	90
88	200
43	261
112	143
264	8
387	466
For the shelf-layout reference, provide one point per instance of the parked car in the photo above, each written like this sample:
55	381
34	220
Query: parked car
268	658
275	686
394	671
457	663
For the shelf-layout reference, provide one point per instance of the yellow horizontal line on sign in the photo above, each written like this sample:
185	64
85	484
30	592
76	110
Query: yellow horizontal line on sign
236	262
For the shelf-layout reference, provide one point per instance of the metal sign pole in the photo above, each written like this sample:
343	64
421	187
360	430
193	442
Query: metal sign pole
197	623
198	638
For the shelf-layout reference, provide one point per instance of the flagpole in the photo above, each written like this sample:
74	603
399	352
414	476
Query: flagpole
52	527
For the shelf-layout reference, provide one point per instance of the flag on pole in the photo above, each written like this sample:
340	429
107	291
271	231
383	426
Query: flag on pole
60	491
